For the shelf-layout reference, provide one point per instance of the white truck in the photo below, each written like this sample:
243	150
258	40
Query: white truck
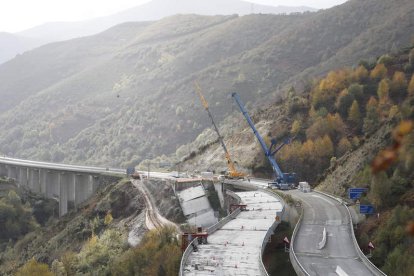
304	187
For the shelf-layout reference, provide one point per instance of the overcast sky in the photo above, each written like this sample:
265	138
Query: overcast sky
17	15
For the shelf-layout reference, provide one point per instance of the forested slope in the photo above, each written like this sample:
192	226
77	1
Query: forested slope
127	94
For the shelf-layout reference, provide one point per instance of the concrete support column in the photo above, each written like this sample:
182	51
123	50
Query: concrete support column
52	184
83	188
3	170
95	183
42	180
34	180
64	183
22	181
12	172
71	190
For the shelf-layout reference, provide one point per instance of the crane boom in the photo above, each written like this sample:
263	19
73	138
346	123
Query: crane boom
279	176
230	164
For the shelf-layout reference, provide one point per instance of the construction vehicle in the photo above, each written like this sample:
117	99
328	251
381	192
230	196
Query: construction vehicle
232	171
283	181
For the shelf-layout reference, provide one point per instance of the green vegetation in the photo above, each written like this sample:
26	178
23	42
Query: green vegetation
158	254
126	95
80	242
34	268
16	218
275	258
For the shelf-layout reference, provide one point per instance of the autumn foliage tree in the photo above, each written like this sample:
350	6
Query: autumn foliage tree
360	74
379	72
344	102
398	86
354	115
344	146
371	120
34	268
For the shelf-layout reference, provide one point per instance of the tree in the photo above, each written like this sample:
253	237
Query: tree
344	146
411	86
398	86
383	91
361	74
371	120
354	114
356	90
296	126
325	93
394	110
379	72
344	102
33	268
385	59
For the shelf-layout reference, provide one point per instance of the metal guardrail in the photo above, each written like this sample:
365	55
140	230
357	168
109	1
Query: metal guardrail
361	254
292	255
186	253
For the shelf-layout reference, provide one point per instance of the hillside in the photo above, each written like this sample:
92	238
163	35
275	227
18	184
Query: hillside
12	45
93	240
125	95
354	127
154	10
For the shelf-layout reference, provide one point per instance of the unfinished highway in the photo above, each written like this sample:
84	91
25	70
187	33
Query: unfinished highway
334	252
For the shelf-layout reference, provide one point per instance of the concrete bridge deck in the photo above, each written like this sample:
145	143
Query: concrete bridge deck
70	185
236	248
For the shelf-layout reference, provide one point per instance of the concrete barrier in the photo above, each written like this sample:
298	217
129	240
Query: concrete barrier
210	231
322	243
270	231
340	271
300	271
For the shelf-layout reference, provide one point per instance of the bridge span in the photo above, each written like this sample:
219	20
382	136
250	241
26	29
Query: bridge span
70	185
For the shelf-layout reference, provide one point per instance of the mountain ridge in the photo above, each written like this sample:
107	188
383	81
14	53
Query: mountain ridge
151	11
131	88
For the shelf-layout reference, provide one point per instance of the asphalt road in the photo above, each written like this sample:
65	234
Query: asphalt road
323	212
58	166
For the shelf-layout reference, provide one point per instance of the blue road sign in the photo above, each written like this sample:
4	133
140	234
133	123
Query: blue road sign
366	209
355	193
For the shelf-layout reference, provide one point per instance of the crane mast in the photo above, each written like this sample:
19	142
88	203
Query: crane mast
233	173
280	177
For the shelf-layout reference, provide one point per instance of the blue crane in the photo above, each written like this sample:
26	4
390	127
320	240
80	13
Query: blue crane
282	180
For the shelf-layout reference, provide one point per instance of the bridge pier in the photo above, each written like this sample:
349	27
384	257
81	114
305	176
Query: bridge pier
22	179
12	171
83	188
70	187
42	180
52	184
34	180
66	180
3	170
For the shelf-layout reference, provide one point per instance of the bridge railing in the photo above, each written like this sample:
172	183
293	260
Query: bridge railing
269	232
299	269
